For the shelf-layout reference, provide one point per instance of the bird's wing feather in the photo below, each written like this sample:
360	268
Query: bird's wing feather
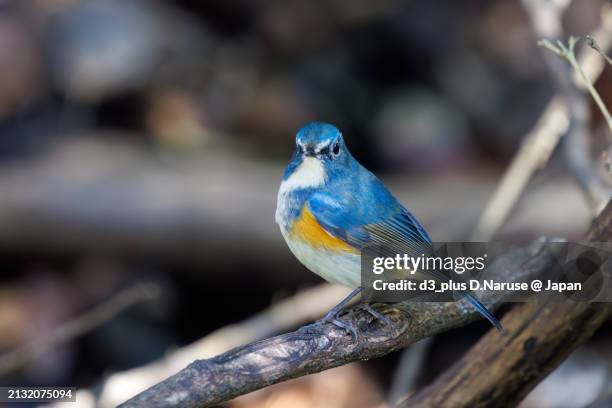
388	234
382	223
367	225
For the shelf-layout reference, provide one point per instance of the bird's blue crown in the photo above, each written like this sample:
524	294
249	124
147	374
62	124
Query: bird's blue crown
317	133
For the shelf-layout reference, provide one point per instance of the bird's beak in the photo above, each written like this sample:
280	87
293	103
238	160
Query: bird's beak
309	151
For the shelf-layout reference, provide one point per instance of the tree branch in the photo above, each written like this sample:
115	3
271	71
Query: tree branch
541	336
313	349
501	371
578	146
540	142
305	306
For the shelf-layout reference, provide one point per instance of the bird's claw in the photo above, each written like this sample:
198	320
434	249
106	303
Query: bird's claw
376	314
332	317
336	321
351	328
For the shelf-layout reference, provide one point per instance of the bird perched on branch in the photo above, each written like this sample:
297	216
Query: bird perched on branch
330	209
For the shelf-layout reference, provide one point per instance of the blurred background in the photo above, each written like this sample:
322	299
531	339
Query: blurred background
142	144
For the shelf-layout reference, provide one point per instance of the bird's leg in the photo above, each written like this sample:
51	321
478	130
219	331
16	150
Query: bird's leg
332	315
351	328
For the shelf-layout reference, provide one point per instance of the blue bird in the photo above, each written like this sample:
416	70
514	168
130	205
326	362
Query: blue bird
330	209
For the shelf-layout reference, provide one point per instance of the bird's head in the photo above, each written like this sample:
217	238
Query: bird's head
320	140
320	153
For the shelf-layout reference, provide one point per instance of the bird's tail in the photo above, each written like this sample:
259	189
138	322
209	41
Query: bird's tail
482	309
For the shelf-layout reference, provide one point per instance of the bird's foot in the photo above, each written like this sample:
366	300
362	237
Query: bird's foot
333	316
349	327
336	321
376	314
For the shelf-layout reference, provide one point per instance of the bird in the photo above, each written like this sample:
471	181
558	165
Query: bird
330	209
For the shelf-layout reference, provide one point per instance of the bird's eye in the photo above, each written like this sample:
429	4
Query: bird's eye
336	149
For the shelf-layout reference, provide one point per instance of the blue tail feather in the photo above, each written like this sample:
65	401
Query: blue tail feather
482	309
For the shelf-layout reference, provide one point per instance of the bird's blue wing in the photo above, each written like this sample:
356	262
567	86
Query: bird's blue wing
368	217
378	220
373	229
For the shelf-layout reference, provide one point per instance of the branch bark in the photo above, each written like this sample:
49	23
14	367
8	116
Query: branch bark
313	349
541	336
287	314
501	371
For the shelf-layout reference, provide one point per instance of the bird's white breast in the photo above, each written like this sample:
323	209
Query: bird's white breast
336	267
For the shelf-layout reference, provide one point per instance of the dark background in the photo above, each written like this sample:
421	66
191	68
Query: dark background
144	141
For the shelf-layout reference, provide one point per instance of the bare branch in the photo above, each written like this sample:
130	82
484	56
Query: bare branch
568	53
593	44
539	143
316	348
541	336
303	307
577	146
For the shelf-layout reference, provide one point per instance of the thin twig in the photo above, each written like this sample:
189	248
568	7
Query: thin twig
70	330
577	146
593	44
540	142
533	154
568	53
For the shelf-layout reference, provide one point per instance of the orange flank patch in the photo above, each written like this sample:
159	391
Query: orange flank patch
307	229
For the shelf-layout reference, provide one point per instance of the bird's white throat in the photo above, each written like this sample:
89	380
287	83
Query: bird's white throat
309	174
